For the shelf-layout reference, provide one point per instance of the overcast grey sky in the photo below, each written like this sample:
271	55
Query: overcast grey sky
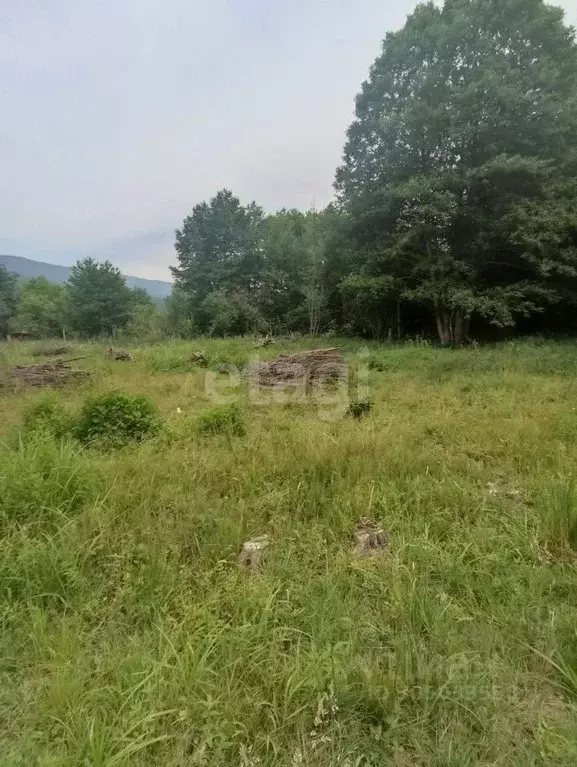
117	116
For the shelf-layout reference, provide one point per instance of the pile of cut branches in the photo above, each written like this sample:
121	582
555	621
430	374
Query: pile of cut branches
51	351
45	374
311	369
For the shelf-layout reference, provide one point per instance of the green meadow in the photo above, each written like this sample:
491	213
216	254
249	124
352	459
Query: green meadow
130	636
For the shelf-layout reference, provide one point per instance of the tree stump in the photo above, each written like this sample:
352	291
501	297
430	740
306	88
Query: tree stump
251	555
118	355
370	539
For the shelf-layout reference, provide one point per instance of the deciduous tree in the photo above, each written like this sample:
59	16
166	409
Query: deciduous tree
42	308
220	251
100	301
8	299
467	112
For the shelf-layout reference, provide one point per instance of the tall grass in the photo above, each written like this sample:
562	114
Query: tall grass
130	637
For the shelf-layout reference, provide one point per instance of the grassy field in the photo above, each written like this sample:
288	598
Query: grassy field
129	636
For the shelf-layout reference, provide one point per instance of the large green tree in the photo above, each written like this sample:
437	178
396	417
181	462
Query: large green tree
220	255
179	322
281	291
147	321
8	299
42	308
100	301
292	292
468	114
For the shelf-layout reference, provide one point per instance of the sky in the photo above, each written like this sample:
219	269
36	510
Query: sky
118	116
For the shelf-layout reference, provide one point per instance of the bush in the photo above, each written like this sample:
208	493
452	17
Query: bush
49	416
360	409
376	364
114	420
224	419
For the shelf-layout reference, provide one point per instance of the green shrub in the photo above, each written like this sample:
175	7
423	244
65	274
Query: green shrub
376	364
224	419
49	416
116	419
360	409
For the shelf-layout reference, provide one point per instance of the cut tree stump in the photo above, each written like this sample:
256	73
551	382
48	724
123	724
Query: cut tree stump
370	539
199	358
252	553
118	355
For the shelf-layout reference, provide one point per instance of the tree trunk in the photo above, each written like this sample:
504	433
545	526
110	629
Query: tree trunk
443	327
460	324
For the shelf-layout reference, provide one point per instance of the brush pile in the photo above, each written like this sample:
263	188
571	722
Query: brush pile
45	374
51	351
314	368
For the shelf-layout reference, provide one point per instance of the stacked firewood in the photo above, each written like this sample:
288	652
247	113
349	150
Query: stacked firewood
45	374
311	368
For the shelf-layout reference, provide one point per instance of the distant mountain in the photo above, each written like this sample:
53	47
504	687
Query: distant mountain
27	268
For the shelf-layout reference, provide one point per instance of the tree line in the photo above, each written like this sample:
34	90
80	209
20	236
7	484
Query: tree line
94	303
455	208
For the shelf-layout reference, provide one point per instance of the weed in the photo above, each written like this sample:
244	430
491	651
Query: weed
374	363
223	419
50	416
360	408
44	480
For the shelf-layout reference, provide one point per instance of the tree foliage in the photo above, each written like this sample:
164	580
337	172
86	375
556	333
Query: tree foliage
240	271
100	301
369	303
178	318
42	308
468	114
219	251
8	299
